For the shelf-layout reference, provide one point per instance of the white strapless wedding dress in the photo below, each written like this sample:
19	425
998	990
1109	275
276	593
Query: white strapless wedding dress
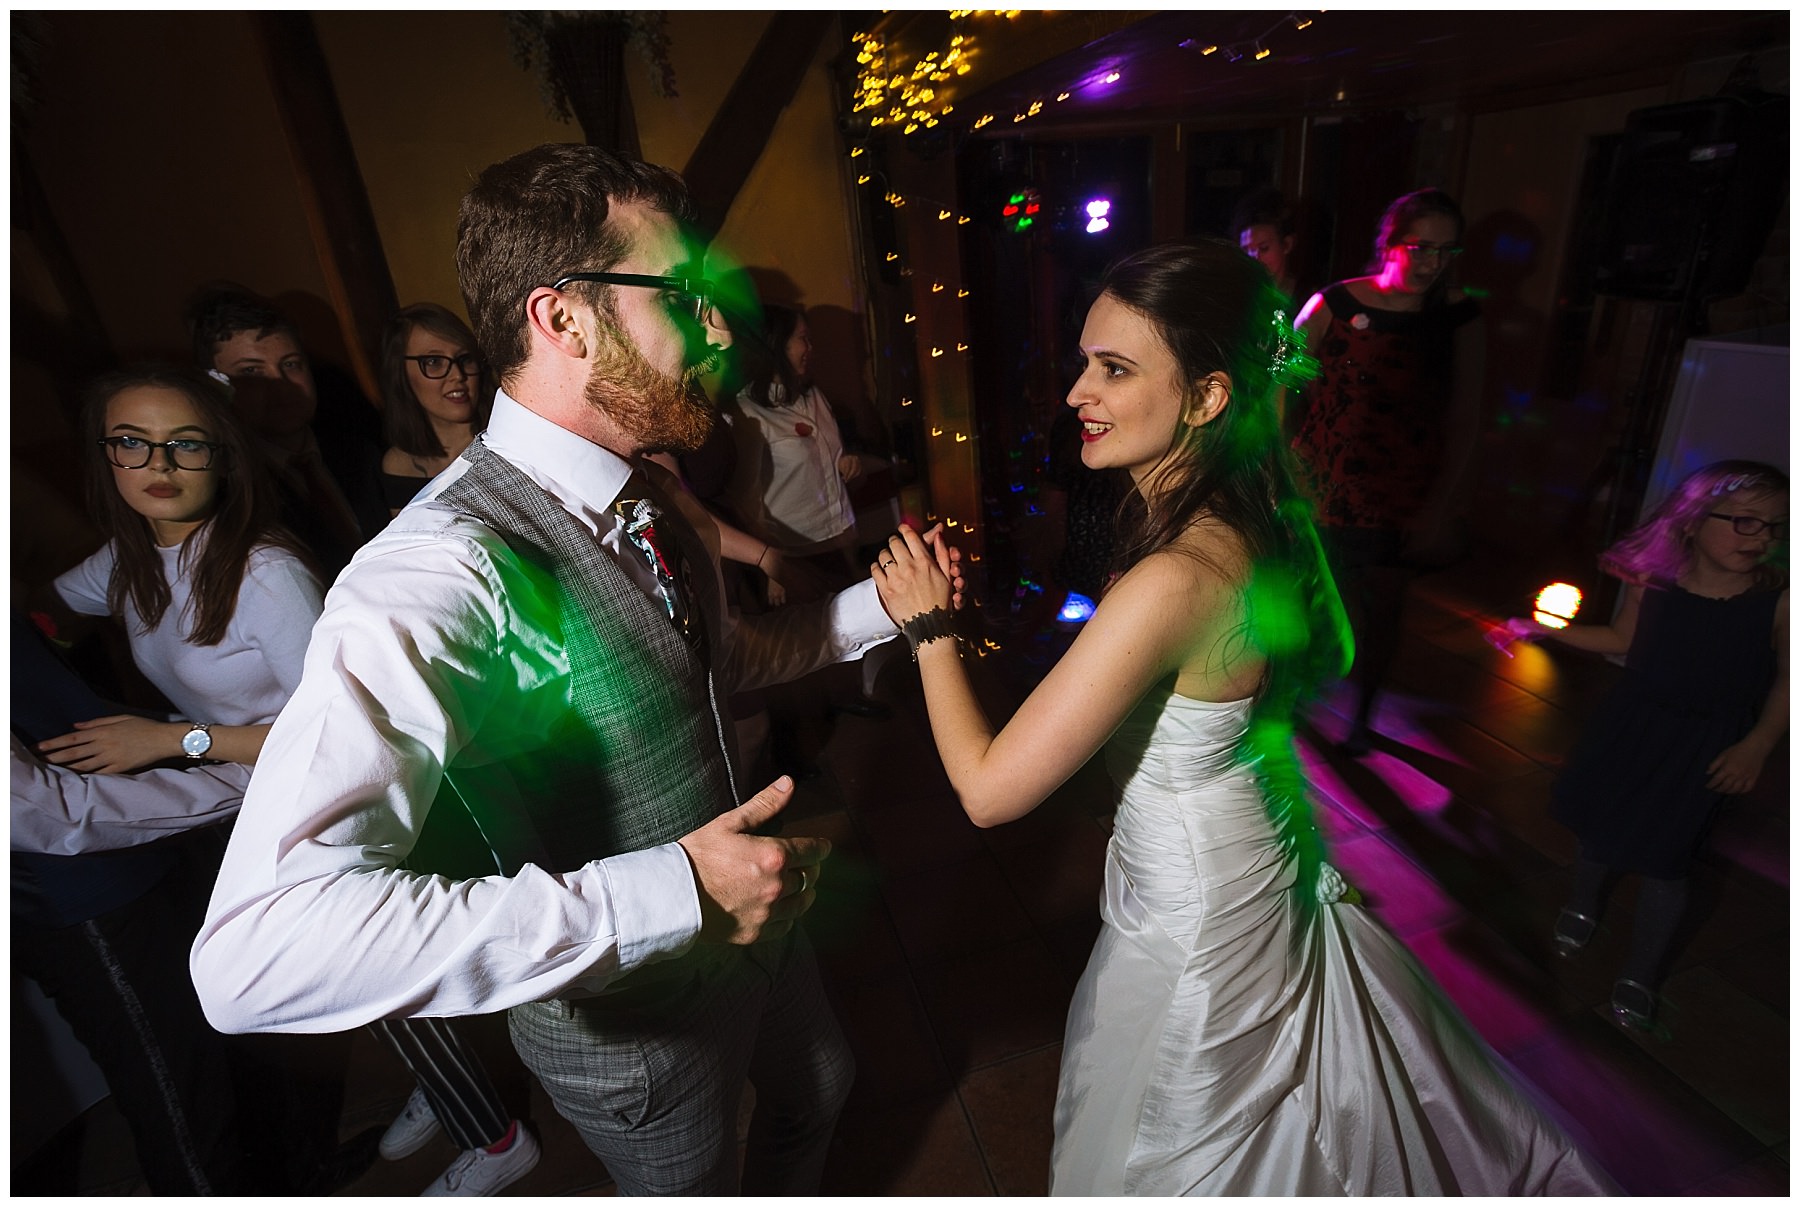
1238	1033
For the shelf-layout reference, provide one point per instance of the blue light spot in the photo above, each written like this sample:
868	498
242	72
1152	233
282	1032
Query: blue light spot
1076	608
1514	249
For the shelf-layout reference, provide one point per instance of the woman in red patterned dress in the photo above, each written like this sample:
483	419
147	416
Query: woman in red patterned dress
1388	430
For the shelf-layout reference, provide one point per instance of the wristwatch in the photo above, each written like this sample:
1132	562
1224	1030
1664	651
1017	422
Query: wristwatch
197	741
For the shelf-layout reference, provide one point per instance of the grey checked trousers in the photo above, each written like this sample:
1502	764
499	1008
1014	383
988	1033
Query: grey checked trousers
652	1079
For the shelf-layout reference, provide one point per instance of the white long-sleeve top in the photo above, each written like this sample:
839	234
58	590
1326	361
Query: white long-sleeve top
424	648
245	678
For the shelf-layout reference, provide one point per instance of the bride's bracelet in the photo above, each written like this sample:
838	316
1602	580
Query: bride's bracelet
929	626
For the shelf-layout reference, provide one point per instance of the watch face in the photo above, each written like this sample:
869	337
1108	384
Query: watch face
196	742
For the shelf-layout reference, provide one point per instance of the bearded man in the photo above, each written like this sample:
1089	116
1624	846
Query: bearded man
538	649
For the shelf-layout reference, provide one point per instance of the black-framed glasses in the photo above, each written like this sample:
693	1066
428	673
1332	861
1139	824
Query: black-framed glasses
130	452
1443	251
696	293
438	367
1749	525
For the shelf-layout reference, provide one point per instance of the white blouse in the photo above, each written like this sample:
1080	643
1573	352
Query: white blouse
249	675
787	487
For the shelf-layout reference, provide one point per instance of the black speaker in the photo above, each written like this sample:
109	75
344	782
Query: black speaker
1691	197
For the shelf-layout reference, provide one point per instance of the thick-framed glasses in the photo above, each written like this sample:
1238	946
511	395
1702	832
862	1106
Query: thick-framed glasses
129	452
1749	525
696	293
1443	251
438	367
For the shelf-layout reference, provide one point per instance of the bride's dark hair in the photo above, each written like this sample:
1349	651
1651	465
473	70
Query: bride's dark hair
1217	311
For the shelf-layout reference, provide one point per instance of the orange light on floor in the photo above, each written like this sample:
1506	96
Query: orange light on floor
1556	605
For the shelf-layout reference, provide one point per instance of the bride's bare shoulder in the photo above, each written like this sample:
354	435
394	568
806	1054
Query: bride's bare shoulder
1206	561
1208	548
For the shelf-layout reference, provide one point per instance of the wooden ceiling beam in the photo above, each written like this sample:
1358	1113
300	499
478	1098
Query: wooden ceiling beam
740	130
331	187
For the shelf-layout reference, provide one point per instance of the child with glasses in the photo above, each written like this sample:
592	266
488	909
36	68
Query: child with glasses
218	600
1703	702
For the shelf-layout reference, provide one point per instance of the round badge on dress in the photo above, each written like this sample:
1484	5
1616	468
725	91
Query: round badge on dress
803	429
1360	321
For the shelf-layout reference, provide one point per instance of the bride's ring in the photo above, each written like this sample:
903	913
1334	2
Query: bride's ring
886	564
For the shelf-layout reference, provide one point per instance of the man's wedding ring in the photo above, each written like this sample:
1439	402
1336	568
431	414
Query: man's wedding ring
802	891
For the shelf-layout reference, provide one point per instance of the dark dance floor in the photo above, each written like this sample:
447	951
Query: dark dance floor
951	952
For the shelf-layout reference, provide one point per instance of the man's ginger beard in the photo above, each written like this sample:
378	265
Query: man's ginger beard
658	412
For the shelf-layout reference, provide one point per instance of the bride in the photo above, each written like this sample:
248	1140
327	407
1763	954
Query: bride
1243	1026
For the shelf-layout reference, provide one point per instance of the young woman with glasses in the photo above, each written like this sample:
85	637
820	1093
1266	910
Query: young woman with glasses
218	601
1386	433
435	397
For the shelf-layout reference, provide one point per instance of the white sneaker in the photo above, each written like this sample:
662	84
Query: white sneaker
479	1172
410	1132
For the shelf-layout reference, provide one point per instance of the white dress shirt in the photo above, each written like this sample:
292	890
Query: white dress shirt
427	646
56	811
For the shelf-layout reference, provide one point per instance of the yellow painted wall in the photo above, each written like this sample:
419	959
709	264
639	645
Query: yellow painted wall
430	99
159	148
792	216
430	103
707	50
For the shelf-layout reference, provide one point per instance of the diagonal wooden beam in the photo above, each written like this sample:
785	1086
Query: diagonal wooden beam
740	130
331	186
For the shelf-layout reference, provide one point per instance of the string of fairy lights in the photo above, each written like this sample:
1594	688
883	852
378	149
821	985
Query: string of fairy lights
921	95
918	96
908	99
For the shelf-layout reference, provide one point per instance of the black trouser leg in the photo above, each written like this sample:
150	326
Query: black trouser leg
460	1093
121	982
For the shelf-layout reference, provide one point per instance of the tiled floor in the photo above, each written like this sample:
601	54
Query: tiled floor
951	951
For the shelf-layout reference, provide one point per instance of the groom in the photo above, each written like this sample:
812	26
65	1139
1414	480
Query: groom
538	648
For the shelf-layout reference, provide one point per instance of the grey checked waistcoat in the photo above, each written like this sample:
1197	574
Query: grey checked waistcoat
640	755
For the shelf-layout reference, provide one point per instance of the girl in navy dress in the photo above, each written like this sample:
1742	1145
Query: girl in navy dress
1703	702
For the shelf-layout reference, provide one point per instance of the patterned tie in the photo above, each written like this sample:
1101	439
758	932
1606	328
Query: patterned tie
663	555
